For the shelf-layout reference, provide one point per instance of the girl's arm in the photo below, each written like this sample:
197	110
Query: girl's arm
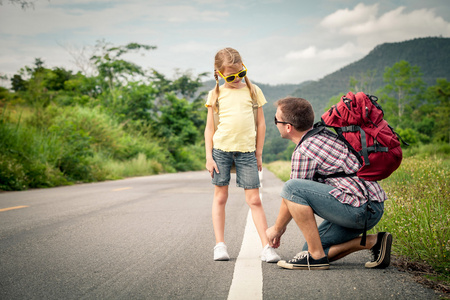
209	132
260	136
275	232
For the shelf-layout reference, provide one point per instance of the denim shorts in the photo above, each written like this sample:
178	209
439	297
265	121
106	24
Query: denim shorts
342	222
247	175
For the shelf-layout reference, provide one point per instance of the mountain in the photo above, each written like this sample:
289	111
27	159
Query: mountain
431	55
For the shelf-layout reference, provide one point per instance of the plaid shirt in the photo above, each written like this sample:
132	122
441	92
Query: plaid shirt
326	154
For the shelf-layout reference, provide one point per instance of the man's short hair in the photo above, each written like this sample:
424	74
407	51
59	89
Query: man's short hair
297	111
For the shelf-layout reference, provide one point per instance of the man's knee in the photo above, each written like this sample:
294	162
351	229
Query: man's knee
289	186
292	191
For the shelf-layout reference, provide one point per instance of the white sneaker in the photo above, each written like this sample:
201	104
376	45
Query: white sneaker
269	255
220	252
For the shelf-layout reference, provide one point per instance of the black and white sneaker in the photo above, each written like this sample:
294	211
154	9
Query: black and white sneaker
381	252
304	261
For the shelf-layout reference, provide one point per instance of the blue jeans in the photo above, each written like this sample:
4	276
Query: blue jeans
247	175
342	222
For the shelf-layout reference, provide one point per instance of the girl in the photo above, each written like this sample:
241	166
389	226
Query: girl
234	141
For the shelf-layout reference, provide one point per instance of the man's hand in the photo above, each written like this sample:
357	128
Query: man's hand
274	236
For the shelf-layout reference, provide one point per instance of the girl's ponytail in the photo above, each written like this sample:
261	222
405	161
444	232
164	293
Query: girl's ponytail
251	88
215	93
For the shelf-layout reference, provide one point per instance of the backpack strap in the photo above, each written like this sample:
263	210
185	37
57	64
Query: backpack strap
364	150
368	209
398	135
334	175
377	148
316	129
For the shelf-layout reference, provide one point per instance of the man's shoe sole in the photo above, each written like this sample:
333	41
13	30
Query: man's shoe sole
284	264
384	259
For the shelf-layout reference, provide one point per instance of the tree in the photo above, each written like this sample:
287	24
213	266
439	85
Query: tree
185	85
110	65
364	82
437	110
17	83
114	73
404	82
23	4
138	100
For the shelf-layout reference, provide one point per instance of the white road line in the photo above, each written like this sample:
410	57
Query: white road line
247	278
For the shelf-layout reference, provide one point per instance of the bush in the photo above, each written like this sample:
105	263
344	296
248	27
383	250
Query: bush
12	174
25	159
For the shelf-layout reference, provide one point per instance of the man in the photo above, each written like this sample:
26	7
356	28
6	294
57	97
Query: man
340	201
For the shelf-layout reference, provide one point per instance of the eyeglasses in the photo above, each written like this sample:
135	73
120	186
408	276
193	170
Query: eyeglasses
231	78
276	121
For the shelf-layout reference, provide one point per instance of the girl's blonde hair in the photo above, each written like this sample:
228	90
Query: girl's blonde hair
224	58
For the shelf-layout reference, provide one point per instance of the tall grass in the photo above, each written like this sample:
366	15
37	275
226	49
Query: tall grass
138	166
27	158
79	144
417	211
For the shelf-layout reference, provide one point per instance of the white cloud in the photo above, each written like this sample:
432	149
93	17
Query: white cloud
309	52
182	14
396	23
344	51
347	50
345	18
49	19
191	47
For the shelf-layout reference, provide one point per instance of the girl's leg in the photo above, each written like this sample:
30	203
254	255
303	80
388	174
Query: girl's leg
258	215
218	211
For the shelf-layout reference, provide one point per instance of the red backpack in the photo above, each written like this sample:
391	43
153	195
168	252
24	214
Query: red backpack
358	121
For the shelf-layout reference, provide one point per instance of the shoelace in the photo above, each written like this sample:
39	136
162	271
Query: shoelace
301	255
374	254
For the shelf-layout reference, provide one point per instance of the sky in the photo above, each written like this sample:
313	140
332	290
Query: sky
280	41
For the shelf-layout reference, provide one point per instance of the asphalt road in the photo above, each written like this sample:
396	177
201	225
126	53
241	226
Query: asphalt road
152	238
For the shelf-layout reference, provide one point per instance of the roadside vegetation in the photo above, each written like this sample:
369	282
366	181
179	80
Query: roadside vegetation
417	212
59	128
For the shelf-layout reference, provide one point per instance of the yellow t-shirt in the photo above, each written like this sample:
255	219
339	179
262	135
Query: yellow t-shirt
236	130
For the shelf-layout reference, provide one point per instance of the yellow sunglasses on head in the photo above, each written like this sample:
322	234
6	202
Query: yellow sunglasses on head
231	78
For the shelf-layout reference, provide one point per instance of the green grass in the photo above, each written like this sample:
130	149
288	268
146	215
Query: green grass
417	212
138	166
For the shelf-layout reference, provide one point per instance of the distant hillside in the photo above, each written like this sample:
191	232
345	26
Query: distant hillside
432	55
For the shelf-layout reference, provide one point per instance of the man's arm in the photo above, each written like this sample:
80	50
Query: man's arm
303	165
